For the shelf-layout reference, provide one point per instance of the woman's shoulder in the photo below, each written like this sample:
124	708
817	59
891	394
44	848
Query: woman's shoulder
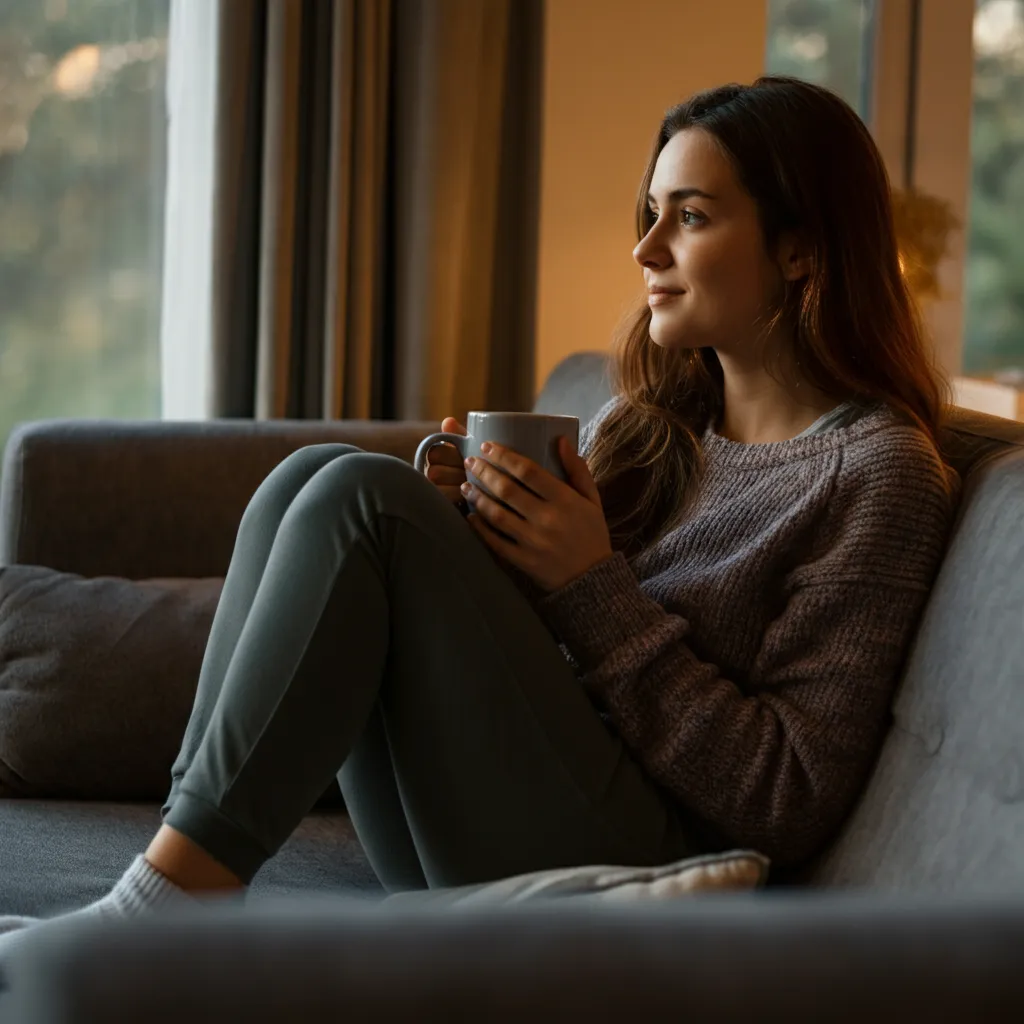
891	457
891	508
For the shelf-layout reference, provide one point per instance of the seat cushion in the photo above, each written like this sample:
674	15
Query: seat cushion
57	855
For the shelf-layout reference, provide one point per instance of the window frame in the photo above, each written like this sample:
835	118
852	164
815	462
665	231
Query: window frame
186	323
922	99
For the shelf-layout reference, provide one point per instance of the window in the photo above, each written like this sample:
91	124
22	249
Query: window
947	117
82	169
994	335
828	42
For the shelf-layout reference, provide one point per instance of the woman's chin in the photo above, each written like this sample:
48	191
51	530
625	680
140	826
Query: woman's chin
670	336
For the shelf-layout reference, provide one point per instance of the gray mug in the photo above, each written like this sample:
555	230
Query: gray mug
532	434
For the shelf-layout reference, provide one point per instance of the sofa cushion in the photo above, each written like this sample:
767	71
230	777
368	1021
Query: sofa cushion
578	386
731	870
147	499
944	810
97	680
57	855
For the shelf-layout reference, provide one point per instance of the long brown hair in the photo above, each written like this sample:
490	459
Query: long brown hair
811	165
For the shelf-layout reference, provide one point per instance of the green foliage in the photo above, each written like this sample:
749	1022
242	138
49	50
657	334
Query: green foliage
821	41
994	331
82	174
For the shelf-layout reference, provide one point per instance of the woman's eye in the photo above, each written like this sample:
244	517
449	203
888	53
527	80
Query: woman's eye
691	219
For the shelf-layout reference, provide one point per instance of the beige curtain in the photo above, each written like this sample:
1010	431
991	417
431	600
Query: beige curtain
375	207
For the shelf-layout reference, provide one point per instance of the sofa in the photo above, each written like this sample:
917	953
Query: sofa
916	910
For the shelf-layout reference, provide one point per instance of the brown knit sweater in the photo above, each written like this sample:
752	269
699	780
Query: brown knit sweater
748	660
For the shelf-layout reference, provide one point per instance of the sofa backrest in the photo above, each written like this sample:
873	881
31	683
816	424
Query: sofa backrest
944	809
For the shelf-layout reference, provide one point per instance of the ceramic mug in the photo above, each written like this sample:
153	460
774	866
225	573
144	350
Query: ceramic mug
532	434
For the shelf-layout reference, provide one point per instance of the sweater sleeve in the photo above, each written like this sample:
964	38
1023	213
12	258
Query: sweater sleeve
773	761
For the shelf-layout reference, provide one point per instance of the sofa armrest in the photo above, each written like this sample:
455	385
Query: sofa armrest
730	959
145	499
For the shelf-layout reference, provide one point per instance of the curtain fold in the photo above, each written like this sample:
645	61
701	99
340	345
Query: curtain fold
375	210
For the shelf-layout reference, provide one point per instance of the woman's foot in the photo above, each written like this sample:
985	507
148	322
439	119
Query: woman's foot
142	889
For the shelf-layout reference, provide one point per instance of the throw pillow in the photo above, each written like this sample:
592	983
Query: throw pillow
97	680
732	870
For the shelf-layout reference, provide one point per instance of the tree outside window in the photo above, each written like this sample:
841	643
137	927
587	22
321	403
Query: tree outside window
82	166
827	42
994	330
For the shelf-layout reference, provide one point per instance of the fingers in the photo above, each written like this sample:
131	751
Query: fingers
448	481
446	471
446	476
444	466
509	490
445	455
500	461
453	494
497	527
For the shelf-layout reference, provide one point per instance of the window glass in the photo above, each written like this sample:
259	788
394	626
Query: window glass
82	165
827	42
994	328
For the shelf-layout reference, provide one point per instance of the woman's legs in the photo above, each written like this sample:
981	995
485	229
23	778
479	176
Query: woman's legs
376	604
175	855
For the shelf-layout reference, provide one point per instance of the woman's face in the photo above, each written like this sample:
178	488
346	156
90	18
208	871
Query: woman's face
706	249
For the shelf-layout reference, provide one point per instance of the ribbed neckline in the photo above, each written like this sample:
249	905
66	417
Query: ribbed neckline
734	453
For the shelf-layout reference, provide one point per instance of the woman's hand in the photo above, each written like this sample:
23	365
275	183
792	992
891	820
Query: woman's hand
444	466
556	530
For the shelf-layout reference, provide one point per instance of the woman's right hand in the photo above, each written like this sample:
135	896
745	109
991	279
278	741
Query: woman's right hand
444	466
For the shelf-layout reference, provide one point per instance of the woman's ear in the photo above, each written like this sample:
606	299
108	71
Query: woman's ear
794	257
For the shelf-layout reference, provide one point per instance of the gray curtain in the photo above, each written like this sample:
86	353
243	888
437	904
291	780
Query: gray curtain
375	208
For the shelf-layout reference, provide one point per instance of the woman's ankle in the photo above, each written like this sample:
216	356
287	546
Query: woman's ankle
187	865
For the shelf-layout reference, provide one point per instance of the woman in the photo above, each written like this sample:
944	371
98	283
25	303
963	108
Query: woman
734	570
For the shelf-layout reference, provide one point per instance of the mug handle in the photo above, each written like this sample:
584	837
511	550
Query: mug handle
427	443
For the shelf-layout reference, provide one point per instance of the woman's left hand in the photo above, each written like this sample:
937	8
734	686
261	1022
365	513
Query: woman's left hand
557	529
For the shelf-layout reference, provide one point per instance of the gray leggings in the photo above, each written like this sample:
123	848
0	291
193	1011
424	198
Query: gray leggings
366	632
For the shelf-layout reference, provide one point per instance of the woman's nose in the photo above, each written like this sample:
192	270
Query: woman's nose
650	255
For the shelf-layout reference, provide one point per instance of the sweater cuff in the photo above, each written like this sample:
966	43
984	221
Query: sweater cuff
599	611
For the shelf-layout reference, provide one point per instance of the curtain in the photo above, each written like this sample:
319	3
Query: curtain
375	207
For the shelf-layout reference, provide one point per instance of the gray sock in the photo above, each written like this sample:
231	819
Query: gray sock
141	890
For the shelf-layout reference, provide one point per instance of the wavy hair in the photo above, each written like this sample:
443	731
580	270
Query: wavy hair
811	166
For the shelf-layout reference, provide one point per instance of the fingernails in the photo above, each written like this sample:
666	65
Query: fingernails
469	463
485	447
466	487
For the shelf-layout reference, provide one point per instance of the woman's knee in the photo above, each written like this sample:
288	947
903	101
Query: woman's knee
280	487
369	481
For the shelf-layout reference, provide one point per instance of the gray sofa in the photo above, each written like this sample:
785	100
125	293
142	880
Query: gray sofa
917	909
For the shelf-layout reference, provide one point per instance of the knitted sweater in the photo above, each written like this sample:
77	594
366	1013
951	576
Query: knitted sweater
748	660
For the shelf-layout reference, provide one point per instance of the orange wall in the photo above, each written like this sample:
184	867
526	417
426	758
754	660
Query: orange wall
611	69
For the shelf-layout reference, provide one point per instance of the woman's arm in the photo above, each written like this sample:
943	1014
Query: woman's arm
776	760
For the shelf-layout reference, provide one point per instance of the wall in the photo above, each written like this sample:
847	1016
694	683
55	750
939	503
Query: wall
942	157
612	68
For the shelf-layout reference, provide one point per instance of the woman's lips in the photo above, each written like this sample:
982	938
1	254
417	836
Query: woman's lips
660	298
